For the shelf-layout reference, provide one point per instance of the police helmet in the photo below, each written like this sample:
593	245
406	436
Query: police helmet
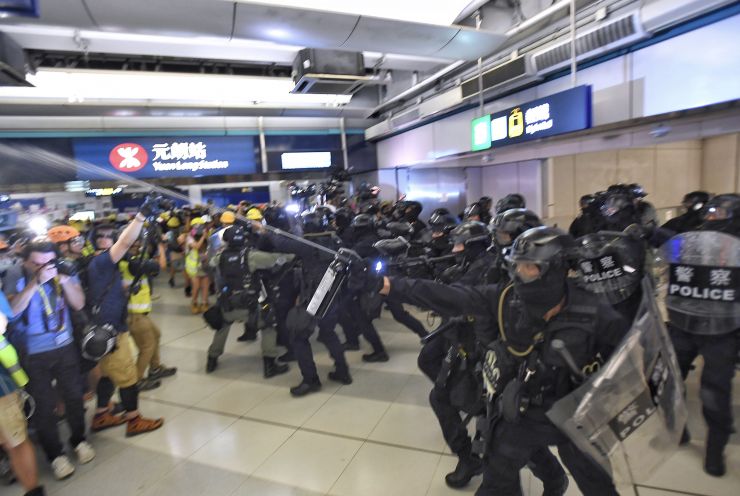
470	232
363	222
508	225
695	201
610	263
722	211
512	200
586	201
314	222
472	210
99	340
399	229
277	217
413	209
547	247
442	220
618	209
235	236
343	217
485	202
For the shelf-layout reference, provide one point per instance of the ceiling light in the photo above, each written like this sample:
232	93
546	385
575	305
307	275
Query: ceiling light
161	88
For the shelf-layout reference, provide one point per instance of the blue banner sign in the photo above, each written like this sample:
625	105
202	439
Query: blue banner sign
165	157
560	113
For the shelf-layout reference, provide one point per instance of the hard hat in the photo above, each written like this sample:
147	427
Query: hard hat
173	223
197	221
254	213
62	234
228	217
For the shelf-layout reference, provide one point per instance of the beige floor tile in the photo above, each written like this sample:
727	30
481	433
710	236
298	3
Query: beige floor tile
185	434
255	486
309	461
348	416
237	398
186	388
375	385
409	426
386	470
280	407
243	446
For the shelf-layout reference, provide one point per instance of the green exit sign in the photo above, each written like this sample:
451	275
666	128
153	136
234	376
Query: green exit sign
481	133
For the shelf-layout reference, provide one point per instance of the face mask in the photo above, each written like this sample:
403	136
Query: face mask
441	243
543	294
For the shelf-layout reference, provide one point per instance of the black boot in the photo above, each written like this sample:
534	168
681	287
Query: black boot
340	376
306	387
250	334
557	488
714	460
347	346
685	437
212	364
272	367
468	466
39	491
287	357
376	356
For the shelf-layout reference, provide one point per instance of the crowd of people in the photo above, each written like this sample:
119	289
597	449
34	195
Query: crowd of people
523	312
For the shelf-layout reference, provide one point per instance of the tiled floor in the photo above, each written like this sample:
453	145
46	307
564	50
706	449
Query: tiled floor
232	433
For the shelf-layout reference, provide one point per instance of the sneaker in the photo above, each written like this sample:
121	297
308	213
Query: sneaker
378	356
305	388
161	372
106	420
62	467
85	452
140	425
147	384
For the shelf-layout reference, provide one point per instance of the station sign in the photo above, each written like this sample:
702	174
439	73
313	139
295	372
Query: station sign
563	112
164	157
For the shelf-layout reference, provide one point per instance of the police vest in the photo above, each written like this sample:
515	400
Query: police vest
234	271
140	302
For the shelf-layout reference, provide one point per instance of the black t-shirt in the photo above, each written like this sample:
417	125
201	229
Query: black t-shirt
105	289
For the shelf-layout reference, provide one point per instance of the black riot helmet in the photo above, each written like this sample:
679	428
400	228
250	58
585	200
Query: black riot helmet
619	211
722	213
695	201
343	217
235	237
610	263
412	210
399	210
399	229
512	200
442	221
538	264
314	222
472	212
485	202
363	223
277	217
586	201
506	226
473	235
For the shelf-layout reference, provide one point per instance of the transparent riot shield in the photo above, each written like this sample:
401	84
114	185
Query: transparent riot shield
703	282
629	416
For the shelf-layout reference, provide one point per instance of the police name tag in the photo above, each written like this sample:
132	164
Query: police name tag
322	290
701	282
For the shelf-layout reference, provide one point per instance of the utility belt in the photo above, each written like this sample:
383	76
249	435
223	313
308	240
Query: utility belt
241	299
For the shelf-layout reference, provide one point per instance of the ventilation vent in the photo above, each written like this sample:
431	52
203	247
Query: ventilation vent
507	72
607	37
405	118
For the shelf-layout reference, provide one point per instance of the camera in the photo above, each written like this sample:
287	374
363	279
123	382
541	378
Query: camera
143	268
64	267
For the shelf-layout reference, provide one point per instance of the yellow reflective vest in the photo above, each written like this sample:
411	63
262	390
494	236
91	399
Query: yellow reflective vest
140	302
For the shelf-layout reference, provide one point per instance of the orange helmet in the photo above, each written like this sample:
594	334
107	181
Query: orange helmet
62	234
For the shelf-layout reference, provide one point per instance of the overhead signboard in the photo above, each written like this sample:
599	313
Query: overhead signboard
560	113
305	160
164	157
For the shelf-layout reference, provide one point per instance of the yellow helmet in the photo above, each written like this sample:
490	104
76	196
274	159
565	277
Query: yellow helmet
254	213
173	223
197	221
228	217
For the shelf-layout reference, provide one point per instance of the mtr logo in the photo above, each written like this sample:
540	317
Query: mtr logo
128	157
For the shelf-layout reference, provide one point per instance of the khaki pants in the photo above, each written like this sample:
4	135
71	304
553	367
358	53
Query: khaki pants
146	336
119	365
12	420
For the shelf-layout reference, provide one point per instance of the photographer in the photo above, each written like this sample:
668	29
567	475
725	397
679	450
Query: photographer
109	304
13	428
41	300
136	270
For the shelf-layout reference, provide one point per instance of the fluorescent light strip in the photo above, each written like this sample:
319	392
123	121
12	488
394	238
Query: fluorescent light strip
168	89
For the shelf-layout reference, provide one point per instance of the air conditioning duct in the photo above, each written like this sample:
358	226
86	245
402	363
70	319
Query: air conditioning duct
606	37
13	63
329	72
504	74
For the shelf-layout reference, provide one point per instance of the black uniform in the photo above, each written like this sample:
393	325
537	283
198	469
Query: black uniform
586	324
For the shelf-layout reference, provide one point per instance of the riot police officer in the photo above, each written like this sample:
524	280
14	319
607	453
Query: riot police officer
512	200
704	314
239	288
441	223
589	220
539	307
691	218
506	227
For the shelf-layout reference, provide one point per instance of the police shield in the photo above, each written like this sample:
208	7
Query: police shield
703	282
630	414
610	264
